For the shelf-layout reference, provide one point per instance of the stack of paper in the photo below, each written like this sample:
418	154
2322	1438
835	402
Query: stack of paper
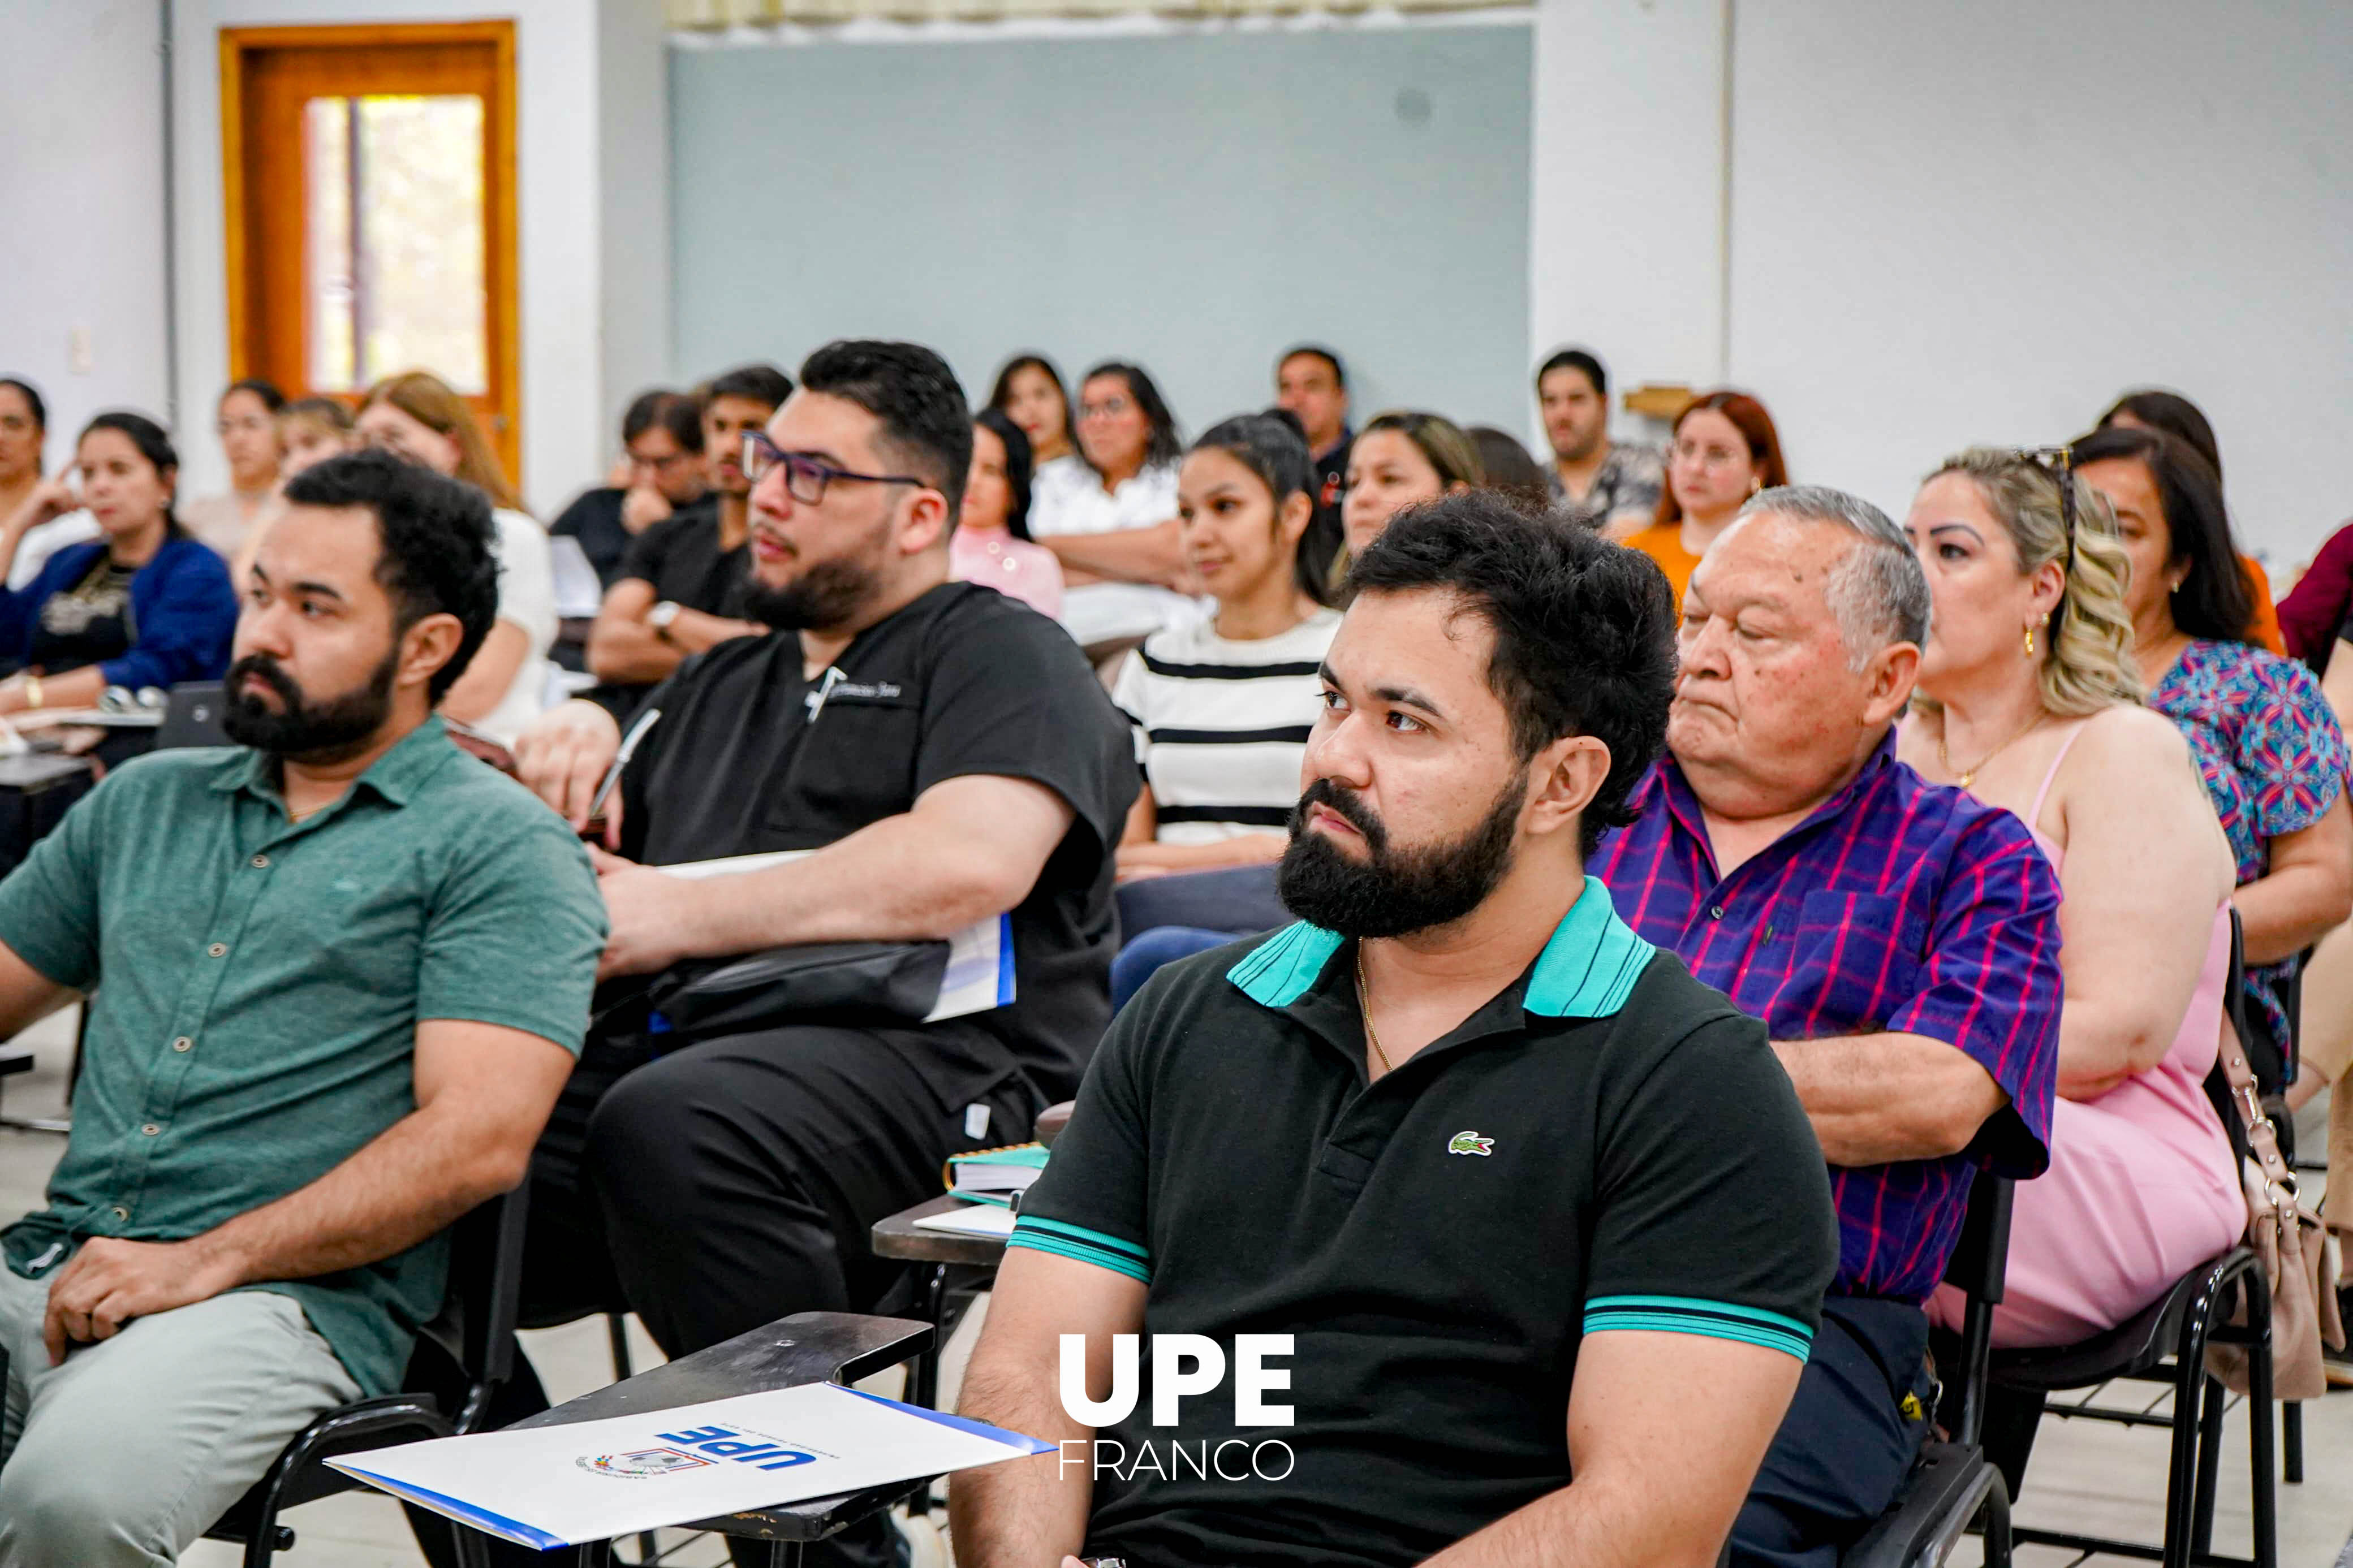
546	1487
994	1175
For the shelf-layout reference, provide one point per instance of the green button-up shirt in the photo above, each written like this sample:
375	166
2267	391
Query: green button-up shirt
259	984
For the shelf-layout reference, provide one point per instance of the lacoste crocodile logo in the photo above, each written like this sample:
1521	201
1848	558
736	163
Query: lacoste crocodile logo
1469	1143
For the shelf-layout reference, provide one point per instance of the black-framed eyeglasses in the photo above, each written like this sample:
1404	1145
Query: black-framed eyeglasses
804	477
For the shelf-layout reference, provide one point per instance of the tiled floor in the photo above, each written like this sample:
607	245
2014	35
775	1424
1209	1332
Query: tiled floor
2085	1476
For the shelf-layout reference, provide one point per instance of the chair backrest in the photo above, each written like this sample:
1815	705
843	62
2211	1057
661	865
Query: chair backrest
477	1322
1980	1269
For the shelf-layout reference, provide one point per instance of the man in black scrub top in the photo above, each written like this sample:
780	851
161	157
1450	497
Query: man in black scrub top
949	754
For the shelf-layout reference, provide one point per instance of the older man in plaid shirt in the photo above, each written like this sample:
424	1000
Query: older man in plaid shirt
1900	940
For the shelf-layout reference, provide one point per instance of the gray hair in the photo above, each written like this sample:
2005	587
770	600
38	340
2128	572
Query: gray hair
1877	590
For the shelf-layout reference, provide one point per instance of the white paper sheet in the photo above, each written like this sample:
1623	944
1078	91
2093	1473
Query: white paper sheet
970	1219
558	1485
980	957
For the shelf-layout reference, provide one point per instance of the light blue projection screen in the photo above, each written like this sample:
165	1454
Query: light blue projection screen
1193	203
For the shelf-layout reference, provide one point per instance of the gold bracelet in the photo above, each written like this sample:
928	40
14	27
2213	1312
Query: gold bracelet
32	691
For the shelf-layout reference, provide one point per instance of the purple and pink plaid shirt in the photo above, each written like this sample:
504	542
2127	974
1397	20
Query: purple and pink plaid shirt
1899	906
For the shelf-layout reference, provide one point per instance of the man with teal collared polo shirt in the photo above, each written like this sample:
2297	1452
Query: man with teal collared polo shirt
340	973
1527	1225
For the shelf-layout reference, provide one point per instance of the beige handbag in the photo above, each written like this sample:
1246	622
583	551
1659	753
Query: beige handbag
2298	1253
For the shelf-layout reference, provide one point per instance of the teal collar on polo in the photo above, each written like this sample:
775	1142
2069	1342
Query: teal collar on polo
1586	970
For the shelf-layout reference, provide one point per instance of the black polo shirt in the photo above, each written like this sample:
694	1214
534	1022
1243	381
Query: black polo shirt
680	556
1606	1145
964	681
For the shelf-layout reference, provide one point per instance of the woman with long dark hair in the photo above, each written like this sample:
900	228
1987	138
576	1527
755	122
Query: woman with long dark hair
991	543
1113	522
1028	391
143	605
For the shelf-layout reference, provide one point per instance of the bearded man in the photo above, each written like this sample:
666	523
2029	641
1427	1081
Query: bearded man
948	757
1485	1201
339	972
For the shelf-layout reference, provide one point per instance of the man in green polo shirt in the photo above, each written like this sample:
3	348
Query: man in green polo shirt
1459	1224
340	973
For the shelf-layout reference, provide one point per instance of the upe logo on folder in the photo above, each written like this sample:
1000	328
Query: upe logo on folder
744	1447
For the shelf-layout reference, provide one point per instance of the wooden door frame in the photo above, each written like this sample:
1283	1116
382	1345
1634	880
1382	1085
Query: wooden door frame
501	280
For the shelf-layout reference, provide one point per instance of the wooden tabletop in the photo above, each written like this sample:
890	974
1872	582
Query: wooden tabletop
898	1238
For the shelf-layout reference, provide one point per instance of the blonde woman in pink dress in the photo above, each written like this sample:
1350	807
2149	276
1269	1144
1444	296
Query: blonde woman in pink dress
991	542
2029	698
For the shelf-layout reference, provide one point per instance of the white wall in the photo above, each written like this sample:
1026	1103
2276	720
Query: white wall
1968	223
562	139
81	179
1625	252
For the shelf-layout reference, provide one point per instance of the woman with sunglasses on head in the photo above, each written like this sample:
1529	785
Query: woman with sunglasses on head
2269	748
1725	450
143	605
417	416
1113	520
2029	698
991	543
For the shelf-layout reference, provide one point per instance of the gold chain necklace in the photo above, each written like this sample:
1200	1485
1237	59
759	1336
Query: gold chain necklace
1364	1005
1968	775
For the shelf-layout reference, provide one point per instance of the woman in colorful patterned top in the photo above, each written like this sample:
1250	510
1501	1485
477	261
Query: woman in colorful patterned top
2270	750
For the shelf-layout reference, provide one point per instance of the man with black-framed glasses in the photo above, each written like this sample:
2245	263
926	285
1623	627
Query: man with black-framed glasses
949	757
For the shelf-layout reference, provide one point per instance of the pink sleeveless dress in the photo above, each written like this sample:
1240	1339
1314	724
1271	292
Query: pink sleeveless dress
2141	1187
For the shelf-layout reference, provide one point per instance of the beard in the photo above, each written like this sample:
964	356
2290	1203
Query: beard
827	595
303	729
1392	891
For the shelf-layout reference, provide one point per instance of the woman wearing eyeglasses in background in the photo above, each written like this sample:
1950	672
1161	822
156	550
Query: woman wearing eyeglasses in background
246	423
418	418
2029	700
1112	521
1725	450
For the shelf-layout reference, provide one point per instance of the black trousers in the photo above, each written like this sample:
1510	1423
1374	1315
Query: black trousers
718	1187
1847	1442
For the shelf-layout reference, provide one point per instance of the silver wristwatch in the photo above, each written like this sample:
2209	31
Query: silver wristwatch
661	617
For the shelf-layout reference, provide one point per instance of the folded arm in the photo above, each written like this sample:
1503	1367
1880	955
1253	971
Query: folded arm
1030	1513
971	847
2307	892
1631	1402
623	649
1154	555
1877	1098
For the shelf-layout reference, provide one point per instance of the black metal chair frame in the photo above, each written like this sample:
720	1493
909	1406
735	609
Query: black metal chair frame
1953	1485
2167	1343
476	1326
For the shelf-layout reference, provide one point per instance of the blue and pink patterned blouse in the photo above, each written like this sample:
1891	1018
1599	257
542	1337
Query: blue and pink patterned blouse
1896	906
2271	756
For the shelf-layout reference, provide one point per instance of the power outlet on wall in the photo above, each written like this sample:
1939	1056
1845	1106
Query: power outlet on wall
78	358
